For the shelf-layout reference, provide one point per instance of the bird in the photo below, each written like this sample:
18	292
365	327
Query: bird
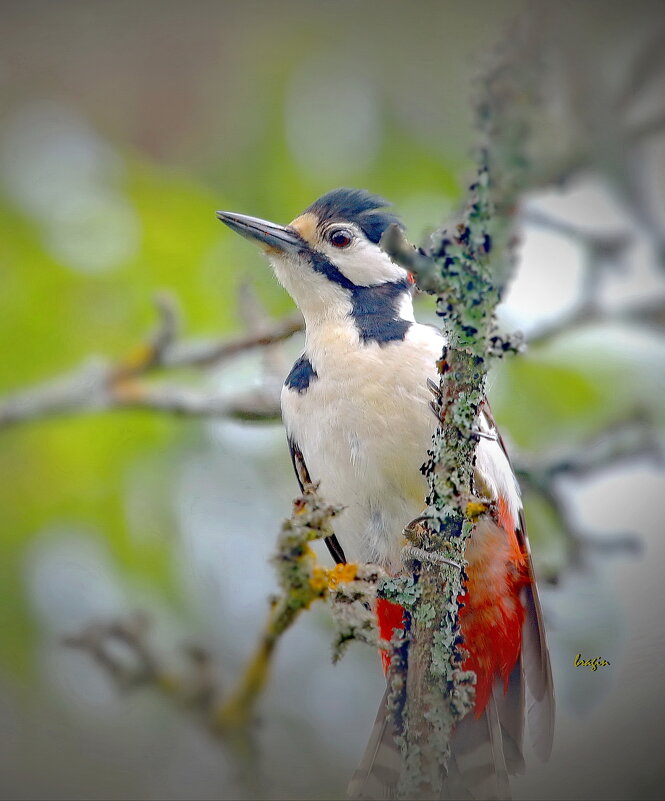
356	407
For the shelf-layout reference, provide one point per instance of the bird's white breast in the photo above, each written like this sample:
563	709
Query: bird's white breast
364	426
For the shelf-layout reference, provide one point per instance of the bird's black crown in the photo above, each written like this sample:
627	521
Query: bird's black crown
358	206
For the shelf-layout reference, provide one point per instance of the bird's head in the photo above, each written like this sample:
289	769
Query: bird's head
329	257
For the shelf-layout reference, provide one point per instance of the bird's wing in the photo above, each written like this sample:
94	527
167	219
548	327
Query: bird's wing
534	657
535	661
302	474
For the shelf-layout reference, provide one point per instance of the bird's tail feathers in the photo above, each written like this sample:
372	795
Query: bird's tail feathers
484	751
377	776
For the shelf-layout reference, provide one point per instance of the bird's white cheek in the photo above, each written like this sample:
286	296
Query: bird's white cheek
366	265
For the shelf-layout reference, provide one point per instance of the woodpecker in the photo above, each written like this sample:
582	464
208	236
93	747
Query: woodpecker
356	408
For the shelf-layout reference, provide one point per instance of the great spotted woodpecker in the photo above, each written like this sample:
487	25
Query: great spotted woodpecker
356	407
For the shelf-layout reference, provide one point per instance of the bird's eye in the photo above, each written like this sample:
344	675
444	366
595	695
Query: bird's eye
340	238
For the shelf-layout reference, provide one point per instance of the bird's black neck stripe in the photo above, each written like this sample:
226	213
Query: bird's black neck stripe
375	309
376	314
322	265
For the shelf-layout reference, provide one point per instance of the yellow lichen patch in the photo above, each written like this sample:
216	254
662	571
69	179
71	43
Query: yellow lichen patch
300	506
341	573
305	225
318	581
476	508
310	554
137	358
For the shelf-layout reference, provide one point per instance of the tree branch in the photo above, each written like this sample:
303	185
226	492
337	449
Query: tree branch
601	251
205	354
626	440
100	385
467	266
230	715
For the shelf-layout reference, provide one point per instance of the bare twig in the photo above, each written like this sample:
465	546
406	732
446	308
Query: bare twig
204	354
101	385
123	650
623	440
133	665
649	313
600	245
601	250
627	440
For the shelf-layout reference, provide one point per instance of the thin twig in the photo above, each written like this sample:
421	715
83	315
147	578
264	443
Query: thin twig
627	440
205	354
601	250
101	385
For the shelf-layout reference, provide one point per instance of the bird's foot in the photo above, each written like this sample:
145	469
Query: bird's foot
413	533
414	530
411	552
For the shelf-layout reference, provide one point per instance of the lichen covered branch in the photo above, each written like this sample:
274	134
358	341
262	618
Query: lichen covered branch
350	588
466	266
302	581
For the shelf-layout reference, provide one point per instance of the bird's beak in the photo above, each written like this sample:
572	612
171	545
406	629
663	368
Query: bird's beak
270	235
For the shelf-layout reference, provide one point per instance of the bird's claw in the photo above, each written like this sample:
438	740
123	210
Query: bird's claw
436	410
483	434
411	552
412	531
434	388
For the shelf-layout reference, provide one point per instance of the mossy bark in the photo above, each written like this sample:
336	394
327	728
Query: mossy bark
467	266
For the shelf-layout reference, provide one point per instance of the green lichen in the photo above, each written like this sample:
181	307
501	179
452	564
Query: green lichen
401	590
352	606
424	613
466	266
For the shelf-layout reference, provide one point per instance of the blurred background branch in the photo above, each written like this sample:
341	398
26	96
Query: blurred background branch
231	716
302	581
100	385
